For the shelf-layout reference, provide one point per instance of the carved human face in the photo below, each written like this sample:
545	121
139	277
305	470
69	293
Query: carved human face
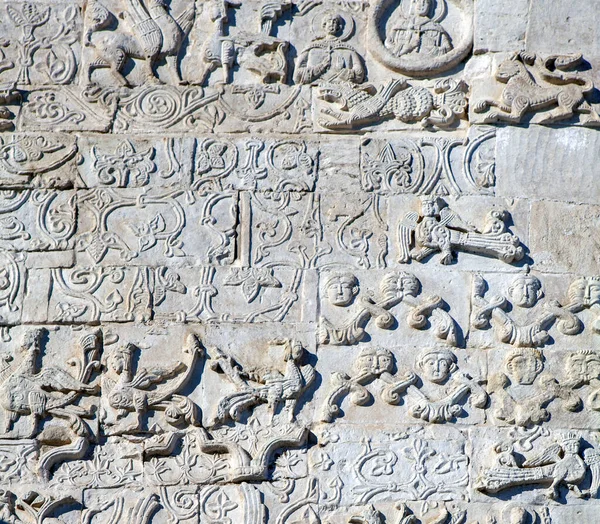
374	361
384	361
582	366
518	515
428	208
436	367
117	364
422	7
585	290
571	446
525	291
524	367
332	24
341	290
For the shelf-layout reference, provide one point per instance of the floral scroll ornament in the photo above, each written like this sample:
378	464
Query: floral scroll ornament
126	167
251	280
59	62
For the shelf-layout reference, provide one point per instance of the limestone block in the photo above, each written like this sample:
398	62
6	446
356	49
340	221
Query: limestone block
574	244
130	162
500	26
156	226
41	42
38	160
528	161
563	29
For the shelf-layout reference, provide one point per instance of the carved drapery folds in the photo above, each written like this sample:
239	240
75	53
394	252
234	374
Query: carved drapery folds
299	261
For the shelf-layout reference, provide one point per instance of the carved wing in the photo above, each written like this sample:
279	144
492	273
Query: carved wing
450	219
406	229
144	378
55	379
550	455
185	20
146	30
308	375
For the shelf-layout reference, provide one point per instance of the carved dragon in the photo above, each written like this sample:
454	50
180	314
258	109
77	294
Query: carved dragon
359	105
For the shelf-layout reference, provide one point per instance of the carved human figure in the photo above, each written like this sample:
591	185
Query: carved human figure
522	394
341	288
371	364
126	390
438	228
524	328
28	390
328	58
413	31
443	389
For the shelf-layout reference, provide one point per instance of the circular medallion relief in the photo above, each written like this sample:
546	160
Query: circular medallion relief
420	37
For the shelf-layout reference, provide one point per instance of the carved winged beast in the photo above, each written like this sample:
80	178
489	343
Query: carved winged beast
533	84
439	229
154	35
558	464
359	105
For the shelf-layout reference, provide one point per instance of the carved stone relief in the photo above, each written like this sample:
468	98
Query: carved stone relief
299	261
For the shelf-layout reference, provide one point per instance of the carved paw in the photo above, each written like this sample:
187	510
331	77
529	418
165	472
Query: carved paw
446	259
481	107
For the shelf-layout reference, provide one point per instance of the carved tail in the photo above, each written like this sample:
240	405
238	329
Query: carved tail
555	69
194	348
497	479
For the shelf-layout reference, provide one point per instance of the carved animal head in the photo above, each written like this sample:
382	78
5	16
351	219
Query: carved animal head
97	18
510	68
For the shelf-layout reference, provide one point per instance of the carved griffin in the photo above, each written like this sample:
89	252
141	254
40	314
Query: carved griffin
154	34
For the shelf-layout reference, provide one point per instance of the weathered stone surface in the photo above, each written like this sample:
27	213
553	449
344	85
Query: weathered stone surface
299	261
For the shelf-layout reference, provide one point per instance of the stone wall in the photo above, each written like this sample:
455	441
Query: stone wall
299	261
